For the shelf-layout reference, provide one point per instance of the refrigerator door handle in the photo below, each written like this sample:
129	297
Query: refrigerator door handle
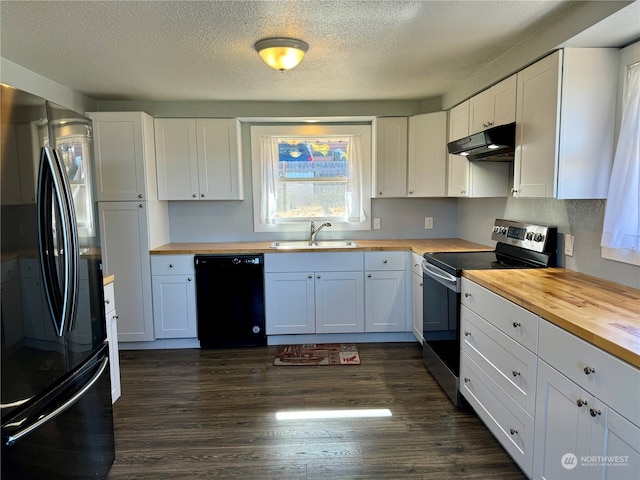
12	439
55	199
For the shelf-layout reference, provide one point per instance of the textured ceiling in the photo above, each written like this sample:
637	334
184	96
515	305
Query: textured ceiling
203	50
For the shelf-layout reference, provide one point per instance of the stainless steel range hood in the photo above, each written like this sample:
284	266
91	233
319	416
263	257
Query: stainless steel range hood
496	144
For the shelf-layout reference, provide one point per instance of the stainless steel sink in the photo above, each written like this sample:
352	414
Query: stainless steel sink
306	245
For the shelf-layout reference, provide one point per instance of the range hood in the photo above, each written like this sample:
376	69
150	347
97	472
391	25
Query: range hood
495	144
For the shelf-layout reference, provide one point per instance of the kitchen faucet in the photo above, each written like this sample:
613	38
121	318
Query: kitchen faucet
314	231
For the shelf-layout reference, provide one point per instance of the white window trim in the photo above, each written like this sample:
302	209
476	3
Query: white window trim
258	131
627	57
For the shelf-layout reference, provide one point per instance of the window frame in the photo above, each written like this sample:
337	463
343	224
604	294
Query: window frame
305	130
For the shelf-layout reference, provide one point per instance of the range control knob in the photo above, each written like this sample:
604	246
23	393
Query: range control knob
529	236
538	237
503	230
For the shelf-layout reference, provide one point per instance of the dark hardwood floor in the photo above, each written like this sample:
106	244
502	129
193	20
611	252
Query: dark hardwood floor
211	414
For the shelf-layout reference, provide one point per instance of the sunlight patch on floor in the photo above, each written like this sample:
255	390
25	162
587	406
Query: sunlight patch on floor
323	414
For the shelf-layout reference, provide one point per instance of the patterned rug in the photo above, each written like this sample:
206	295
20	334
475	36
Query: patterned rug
317	354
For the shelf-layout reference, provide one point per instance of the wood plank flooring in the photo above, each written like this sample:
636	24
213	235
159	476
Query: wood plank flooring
211	414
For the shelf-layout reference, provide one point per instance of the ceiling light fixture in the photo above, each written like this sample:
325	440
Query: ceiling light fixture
281	53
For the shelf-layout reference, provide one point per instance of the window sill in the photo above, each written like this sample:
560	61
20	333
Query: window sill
621	255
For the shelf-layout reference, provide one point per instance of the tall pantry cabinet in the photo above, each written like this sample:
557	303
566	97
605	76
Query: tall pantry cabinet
132	219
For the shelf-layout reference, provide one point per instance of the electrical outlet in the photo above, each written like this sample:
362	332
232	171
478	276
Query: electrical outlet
376	224
428	223
568	244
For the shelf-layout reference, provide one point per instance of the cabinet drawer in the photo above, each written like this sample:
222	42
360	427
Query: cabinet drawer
172	264
416	263
613	381
511	319
313	262
384	260
508	363
109	299
508	421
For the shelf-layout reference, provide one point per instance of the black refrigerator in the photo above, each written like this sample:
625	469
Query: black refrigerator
57	419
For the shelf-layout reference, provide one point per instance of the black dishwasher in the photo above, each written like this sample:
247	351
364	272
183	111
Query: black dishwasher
230	300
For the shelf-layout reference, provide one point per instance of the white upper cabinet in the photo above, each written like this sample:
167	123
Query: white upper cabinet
565	124
125	160
492	107
198	159
427	161
473	179
390	157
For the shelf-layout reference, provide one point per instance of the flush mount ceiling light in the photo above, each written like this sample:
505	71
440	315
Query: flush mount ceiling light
281	53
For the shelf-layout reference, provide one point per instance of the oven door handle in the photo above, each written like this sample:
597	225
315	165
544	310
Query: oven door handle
438	273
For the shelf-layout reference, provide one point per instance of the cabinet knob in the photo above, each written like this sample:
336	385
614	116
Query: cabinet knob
141	205
513	431
516	324
116	317
515	373
193	195
467	333
318	276
188	279
594	412
139	195
410	192
467	380
467	294
369	275
202	195
385	261
421	284
589	370
380	193
171	265
580	402
107	301
310	276
462	192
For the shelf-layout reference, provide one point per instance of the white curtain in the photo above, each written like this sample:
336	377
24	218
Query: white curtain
270	158
354	200
622	214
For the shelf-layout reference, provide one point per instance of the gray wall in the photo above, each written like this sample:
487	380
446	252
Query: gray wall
581	218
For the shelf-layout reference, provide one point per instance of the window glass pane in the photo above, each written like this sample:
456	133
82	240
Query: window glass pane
312	178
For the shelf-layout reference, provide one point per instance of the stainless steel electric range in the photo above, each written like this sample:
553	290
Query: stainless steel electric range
519	245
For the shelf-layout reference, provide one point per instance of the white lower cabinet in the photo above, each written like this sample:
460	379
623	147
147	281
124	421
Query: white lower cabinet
385	292
112	337
314	293
560	406
416	296
174	296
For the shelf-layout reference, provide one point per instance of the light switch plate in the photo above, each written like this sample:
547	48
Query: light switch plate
568	244
428	223
376	224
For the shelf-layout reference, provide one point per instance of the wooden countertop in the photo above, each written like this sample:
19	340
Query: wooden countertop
108	279
603	313
419	246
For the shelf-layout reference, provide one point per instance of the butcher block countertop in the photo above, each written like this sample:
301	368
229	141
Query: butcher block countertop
417	246
603	313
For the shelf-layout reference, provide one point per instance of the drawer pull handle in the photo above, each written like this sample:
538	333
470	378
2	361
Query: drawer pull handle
467	294
594	412
466	380
516	324
467	333
581	403
588	370
515	373
513	431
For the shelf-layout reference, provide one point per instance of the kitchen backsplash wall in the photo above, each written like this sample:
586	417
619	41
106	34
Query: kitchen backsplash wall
581	218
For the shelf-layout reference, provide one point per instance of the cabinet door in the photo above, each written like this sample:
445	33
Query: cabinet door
174	306
219	162
416	290
427	155
480	111
390	157
385	302
119	147
339	298
289	303
537	127
125	254
176	159
563	426
503	97
619	440
11	318
458	171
